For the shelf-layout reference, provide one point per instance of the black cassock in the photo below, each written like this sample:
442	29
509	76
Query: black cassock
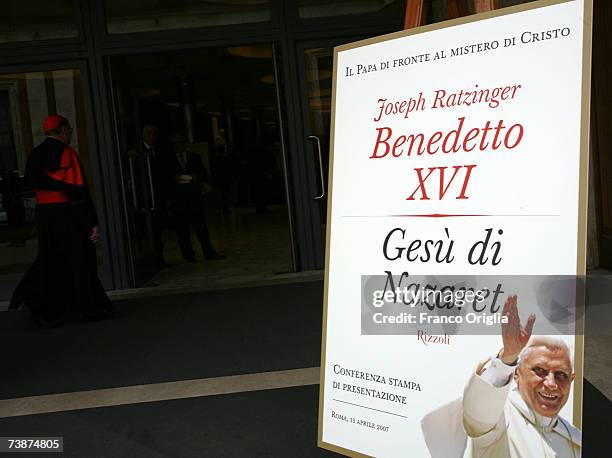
63	279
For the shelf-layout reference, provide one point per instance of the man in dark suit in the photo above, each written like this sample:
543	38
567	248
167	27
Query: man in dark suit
187	175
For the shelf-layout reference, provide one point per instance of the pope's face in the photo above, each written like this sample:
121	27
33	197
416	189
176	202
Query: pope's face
544	378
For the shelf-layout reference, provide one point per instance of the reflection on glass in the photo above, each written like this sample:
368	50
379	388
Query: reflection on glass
29	20
308	9
25	100
128	16
223	100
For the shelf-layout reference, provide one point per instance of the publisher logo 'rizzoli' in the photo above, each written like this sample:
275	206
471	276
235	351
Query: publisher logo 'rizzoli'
427	339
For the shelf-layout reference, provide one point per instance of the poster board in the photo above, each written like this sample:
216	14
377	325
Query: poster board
458	149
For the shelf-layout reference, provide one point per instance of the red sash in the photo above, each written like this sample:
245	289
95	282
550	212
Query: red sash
51	197
69	172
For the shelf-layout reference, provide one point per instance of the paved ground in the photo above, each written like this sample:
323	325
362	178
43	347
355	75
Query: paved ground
165	339
272	423
180	358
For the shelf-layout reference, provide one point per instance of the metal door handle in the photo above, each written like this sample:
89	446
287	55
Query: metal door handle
153	205
318	142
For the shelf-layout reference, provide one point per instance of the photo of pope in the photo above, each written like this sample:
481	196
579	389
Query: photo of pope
511	403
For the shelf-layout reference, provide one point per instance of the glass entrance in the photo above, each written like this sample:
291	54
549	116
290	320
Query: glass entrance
25	100
220	106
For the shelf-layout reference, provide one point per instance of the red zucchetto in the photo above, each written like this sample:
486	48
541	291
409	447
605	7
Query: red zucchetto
53	122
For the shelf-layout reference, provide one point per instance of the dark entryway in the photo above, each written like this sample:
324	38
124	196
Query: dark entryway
224	102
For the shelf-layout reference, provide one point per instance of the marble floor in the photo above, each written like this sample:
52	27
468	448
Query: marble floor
257	246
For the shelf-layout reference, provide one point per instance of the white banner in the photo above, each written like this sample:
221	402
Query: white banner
458	149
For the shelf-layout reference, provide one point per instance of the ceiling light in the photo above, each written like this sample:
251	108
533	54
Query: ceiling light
258	52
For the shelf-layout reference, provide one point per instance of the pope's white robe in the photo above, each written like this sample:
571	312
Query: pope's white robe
494	422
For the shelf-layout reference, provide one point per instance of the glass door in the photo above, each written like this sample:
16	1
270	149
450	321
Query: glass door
316	64
137	165
216	109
